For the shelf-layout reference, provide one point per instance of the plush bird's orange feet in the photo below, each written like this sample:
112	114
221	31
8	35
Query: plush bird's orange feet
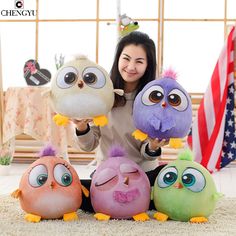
70	216
60	120
139	135
102	217
199	219
100	120
141	217
160	216
32	218
176	143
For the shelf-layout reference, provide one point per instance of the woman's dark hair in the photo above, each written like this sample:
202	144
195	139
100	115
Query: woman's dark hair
136	38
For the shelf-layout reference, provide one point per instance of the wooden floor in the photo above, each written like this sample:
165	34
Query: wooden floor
225	179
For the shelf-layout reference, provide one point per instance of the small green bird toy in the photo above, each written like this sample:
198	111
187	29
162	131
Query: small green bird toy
184	191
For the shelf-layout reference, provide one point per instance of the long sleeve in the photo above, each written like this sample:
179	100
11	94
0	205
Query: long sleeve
118	131
146	154
90	140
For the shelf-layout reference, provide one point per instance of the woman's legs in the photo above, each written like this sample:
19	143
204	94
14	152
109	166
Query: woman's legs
86	201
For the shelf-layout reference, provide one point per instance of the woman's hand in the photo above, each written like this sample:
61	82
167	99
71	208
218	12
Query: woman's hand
154	144
81	125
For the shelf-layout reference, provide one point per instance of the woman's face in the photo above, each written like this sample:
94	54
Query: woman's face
132	65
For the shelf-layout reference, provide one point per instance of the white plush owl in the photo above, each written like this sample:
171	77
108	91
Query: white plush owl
81	89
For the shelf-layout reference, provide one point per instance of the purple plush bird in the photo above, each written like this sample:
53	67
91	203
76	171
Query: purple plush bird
162	110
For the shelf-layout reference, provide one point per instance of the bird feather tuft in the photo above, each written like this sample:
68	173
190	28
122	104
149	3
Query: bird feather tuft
47	150
117	151
80	57
186	155
170	73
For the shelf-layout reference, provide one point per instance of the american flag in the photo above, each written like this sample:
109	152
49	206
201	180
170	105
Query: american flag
212	136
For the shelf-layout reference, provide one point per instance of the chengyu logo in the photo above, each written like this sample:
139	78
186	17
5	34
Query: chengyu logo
19	4
19	10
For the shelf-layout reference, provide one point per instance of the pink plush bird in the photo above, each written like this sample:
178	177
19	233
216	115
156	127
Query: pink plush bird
120	189
49	189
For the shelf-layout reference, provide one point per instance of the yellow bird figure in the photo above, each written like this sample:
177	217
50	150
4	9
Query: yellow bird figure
81	89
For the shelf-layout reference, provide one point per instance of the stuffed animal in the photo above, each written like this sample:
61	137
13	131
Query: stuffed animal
81	89
120	189
50	189
184	191
127	25
163	110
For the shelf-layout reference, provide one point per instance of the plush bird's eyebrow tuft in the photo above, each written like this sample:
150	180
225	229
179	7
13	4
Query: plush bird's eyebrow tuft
31	168
66	165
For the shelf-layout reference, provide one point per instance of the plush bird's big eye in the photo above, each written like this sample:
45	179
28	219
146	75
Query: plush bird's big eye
178	100
70	77
174	99
153	95
130	171
94	77
106	178
62	175
90	78
66	77
38	176
167	177
193	180
127	168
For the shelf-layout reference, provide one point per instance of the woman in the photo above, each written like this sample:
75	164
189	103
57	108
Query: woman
133	67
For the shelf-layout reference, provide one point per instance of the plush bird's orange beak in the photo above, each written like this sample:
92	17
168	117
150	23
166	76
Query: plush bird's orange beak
126	181
163	104
178	185
80	84
52	185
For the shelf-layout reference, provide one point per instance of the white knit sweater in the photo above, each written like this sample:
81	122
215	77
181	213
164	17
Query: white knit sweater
118	132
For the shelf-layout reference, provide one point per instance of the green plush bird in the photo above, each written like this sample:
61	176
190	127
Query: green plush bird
184	191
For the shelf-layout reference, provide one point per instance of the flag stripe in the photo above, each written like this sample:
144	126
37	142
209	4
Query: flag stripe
217	147
209	103
202	124
215	85
216	138
196	141
223	62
